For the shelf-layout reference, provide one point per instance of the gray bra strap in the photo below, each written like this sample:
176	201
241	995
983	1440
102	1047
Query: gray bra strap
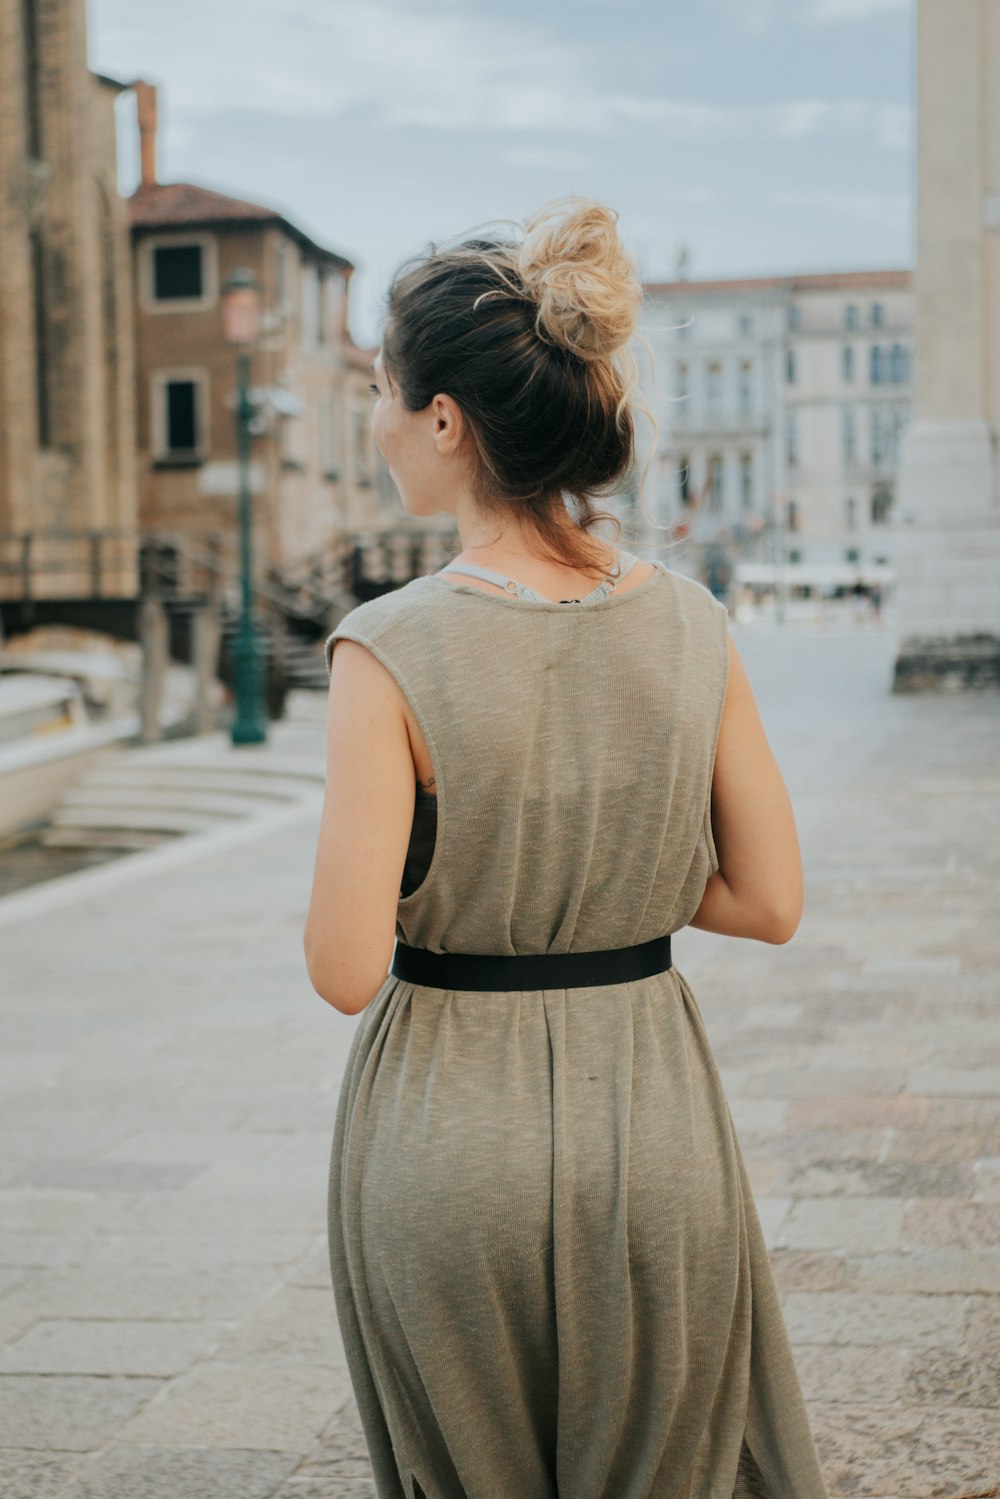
522	590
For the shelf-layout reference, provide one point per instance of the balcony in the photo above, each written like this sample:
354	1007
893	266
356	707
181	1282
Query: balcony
713	421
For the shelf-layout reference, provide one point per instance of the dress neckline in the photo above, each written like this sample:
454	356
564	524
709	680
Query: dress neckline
508	601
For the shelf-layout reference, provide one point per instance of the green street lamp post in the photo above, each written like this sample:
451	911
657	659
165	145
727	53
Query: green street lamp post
240	306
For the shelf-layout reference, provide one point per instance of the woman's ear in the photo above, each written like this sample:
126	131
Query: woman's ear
448	423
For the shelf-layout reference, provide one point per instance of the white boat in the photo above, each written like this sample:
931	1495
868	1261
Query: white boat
47	740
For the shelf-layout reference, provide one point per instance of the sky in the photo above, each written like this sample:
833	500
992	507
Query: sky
766	136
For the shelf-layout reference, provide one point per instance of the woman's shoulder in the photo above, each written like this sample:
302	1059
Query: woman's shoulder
694	592
375	619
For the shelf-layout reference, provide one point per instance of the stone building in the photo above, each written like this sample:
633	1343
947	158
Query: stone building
68	490
314	473
782	401
948	537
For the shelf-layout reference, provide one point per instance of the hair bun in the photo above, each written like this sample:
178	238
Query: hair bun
574	265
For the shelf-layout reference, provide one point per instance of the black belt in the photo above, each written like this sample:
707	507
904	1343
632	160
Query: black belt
549	970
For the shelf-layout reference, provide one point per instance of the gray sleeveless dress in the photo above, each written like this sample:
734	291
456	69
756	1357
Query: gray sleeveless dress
548	1268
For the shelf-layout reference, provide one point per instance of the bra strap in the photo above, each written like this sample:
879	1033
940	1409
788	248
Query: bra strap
522	590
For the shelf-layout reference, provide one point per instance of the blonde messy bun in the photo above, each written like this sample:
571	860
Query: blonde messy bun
531	333
573	264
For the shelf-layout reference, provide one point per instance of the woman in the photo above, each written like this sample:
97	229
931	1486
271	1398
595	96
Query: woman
543	760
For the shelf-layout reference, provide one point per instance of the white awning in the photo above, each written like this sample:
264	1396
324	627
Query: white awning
816	574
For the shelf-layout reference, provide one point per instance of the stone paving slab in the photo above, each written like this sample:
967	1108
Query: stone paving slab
167	1325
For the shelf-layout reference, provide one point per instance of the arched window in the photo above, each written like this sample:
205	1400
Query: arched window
850	316
852	513
899	370
790	367
847	364
876	362
878	315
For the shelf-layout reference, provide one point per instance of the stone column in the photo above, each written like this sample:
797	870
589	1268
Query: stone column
947	541
154	637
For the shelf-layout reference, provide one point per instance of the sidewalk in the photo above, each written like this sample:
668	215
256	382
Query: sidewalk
168	1085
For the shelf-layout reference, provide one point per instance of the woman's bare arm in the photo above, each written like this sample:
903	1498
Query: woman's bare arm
758	889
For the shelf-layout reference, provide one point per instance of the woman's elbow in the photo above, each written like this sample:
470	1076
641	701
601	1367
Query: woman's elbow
782	924
337	990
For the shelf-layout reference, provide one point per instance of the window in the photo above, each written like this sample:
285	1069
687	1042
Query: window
179	424
876	364
746	388
744	326
790	367
32	105
794	319
177	273
850	316
878	315
852	555
182	420
847	364
881	506
792	516
849	435
899	365
746	481
852	513
792	555
792	439
713	385
681	381
684	480
715	481
877	436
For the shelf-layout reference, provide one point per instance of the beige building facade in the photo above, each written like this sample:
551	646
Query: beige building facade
68	479
782	403
949	533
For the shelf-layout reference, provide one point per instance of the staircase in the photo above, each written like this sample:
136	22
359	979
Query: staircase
139	796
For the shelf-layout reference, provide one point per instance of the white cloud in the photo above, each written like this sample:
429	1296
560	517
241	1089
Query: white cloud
826	11
544	159
877	210
888	125
384	63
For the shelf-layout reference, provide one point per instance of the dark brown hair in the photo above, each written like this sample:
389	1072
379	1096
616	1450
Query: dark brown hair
530	335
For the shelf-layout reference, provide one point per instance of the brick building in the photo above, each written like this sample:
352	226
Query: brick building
315	477
67	419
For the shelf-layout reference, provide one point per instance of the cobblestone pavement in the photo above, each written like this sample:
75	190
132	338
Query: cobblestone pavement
168	1084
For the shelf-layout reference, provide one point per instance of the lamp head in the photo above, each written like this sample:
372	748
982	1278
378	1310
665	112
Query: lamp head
240	306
